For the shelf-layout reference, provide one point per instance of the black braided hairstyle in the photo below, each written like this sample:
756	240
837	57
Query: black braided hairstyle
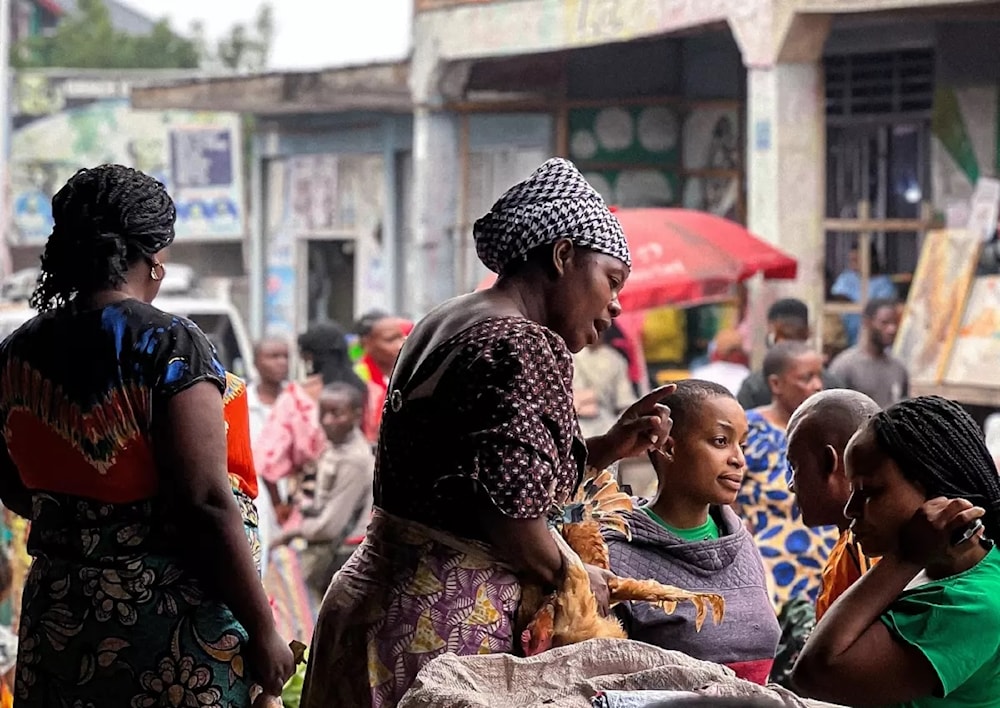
326	344
937	444
106	219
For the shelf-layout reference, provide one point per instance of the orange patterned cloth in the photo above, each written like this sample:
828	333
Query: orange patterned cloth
846	564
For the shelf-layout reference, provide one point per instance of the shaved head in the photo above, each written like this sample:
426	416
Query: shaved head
818	433
833	416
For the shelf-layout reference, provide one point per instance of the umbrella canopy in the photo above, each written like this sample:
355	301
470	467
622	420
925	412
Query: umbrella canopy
681	256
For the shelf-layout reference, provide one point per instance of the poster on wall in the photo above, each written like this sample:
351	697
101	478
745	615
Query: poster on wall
934	305
313	193
978	338
62	125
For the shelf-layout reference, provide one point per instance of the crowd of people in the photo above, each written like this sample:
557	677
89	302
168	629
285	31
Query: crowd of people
848	528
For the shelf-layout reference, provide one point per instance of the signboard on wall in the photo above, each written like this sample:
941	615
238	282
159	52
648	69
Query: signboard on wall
62	125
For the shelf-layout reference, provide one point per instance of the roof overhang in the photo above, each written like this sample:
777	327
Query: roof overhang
374	87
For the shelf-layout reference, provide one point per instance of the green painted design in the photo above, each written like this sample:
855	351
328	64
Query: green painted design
948	125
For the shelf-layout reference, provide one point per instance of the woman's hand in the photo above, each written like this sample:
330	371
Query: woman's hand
599	586
645	425
927	538
271	661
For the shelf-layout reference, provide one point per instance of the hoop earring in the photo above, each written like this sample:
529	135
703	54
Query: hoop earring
152	272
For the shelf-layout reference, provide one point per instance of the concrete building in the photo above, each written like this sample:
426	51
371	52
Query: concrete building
822	124
859	119
329	184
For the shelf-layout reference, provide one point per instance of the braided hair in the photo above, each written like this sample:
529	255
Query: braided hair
937	444
106	219
326	344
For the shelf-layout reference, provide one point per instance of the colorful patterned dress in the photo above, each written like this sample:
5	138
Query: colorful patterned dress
111	614
486	418
794	554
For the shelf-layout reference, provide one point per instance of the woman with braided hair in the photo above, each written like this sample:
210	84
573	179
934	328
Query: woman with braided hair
129	453
922	628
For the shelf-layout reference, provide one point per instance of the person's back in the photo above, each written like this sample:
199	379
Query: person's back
81	425
882	377
126	444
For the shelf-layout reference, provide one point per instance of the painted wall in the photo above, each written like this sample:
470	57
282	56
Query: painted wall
63	123
330	181
966	122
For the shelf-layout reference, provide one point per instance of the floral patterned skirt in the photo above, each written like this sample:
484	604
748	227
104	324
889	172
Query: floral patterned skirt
406	596
111	618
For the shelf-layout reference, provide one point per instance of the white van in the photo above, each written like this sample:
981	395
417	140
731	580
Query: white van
218	319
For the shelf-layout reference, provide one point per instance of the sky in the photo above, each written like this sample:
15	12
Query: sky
309	34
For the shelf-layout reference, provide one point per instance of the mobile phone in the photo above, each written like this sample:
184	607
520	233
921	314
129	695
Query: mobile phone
966	534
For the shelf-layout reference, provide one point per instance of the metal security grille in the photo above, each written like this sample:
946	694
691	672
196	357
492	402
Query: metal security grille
900	82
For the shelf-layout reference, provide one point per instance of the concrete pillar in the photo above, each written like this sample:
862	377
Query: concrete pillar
786	175
786	150
430	255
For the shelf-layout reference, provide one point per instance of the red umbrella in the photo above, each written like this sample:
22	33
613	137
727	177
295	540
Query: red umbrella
680	256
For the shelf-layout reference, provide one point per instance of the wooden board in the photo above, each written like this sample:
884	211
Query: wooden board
976	348
935	303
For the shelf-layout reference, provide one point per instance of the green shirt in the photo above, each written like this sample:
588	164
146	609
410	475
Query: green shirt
955	623
708	531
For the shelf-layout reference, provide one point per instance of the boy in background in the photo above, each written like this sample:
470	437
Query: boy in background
334	501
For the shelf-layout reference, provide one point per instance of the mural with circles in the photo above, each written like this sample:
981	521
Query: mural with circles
660	155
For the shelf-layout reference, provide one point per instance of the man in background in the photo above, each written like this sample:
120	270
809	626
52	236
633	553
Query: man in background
869	366
382	336
787	321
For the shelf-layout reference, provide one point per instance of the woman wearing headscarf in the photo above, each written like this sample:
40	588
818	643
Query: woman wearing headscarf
479	443
143	590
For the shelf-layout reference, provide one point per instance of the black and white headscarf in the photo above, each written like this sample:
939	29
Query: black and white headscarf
555	202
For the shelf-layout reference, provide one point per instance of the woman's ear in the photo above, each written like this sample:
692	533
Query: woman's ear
772	383
562	253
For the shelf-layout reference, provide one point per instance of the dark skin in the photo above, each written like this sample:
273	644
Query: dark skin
892	517
189	441
801	378
573	292
818	434
701	465
384	341
880	330
271	361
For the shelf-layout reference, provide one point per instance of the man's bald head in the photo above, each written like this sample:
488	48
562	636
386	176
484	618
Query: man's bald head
818	432
832	417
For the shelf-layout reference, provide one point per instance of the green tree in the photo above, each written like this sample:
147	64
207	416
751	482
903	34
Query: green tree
243	48
88	40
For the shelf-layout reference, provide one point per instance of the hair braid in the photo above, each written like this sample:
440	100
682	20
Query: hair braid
105	220
937	444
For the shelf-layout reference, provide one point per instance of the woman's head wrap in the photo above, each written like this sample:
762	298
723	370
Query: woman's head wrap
555	202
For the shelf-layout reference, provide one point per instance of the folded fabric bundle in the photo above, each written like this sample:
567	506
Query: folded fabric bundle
570	677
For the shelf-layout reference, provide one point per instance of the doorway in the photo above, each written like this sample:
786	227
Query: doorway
329	284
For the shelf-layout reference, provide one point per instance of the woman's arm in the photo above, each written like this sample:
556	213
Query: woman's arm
190	441
13	493
526	544
852	658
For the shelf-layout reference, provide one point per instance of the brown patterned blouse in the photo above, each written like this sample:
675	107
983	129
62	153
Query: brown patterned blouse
498	424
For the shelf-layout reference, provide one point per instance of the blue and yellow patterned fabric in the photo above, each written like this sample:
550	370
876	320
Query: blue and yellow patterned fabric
794	554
